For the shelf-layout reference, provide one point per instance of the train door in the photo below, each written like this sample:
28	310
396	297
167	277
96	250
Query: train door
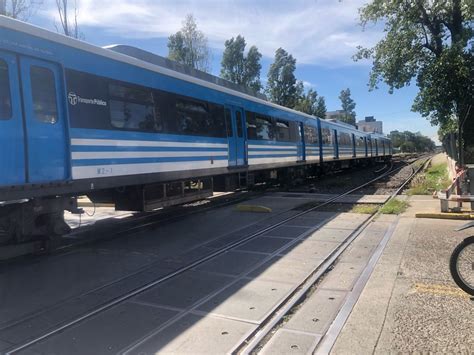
353	139
376	147
335	142
236	135
44	120
300	144
12	154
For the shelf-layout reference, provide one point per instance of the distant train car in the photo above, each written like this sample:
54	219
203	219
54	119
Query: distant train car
125	126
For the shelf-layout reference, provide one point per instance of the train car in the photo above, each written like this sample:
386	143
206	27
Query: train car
118	125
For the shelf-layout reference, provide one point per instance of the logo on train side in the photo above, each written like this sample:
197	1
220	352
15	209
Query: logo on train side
72	98
76	99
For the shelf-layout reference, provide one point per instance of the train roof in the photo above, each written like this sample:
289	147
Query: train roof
181	68
39	32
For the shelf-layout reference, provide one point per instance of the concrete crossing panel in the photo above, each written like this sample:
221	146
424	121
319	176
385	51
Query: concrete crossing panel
194	334
285	342
231	263
330	235
247	299
185	289
264	244
318	312
309	249
108	333
287	270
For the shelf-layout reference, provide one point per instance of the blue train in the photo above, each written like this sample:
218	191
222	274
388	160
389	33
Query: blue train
125	126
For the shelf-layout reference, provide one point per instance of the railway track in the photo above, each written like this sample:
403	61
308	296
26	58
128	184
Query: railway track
255	338
262	333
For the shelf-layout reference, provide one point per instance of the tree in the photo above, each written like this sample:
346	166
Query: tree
430	42
310	102
321	107
189	46
69	24
409	142
238	68
348	106
281	86
19	9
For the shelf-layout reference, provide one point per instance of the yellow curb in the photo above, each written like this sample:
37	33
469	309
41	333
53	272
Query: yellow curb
445	215
253	208
90	204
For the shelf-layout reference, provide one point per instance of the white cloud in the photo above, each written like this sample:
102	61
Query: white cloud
308	85
324	32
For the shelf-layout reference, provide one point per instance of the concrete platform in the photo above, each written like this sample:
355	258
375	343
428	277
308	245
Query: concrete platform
411	304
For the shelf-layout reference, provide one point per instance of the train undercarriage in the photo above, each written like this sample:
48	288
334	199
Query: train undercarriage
43	218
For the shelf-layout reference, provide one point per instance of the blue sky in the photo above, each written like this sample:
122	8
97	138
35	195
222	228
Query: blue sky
321	34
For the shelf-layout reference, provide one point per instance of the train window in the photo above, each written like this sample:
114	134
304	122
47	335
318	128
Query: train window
296	131
127	115
251	125
43	89
311	135
193	117
283	131
5	98
132	108
238	122
84	89
344	139
218	124
265	129
228	122
360	142
326	136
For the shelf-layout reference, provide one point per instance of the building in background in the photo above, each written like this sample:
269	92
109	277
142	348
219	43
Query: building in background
370	124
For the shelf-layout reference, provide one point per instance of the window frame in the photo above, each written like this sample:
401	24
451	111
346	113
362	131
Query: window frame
270	123
8	91
151	104
35	97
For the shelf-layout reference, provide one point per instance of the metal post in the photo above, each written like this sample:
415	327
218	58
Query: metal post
470	177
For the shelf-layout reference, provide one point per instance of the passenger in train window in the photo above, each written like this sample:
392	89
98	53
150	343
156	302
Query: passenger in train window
265	129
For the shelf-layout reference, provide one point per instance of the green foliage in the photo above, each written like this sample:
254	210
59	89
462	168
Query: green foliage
189	46
365	208
348	106
409	142
281	86
394	206
310	102
434	179
238	68
430	42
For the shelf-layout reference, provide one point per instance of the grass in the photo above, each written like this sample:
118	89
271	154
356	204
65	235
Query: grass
395	206
365	208
434	179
